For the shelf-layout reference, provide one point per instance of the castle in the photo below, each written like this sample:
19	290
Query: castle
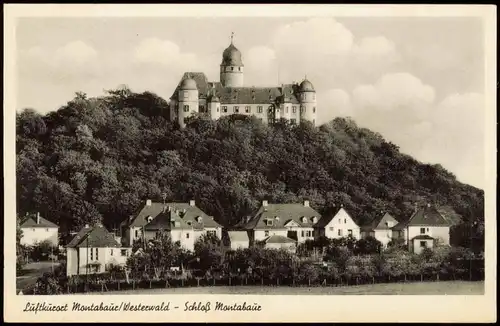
195	94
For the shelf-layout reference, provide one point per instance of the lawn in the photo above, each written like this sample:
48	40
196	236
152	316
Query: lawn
418	288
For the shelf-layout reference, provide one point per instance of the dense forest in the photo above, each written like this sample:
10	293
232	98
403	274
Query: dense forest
101	158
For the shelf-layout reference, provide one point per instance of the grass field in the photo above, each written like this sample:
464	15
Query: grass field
425	288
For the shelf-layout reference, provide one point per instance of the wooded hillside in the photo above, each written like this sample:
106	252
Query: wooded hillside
101	158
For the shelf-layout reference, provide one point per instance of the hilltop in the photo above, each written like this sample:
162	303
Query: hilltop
101	158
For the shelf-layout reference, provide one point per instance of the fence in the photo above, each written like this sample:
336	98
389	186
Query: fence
107	285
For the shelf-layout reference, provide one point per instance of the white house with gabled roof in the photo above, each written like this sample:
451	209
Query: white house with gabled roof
338	225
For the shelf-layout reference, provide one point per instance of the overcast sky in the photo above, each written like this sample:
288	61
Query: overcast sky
417	81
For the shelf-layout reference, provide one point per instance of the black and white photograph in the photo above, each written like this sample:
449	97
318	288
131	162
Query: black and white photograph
244	155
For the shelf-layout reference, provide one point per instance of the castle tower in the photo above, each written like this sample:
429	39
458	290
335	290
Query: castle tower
307	98
214	107
231	68
188	100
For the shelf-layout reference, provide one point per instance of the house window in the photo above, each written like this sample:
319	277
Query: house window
302	109
187	235
247	109
427	229
224	109
211	232
91	253
266	233
293	121
185	120
136	233
96	253
259	109
423	244
422	230
239	68
202	108
331	228
111	252
269	222
314	109
232	68
345	221
286	109
186	108
349	232
46	230
308	234
124	252
302	233
236	109
340	221
294	109
217	109
340	232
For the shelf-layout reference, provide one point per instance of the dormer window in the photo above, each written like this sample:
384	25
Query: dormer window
277	218
177	223
149	218
269	222
304	219
199	219
314	219
189	223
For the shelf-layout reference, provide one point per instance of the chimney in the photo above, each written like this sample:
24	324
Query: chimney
306	203
192	202
148	202
37	217
87	226
264	203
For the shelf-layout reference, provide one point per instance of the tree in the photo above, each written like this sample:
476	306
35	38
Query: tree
368	246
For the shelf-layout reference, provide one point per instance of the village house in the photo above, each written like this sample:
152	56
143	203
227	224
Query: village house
36	229
280	242
380	228
235	239
93	250
189	215
292	221
170	222
338	225
426	228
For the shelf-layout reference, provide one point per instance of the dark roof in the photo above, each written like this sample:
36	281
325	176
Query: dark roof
93	237
423	237
327	219
286	213
191	214
30	222
188	84
278	239
231	56
425	216
240	95
306	86
168	220
379	223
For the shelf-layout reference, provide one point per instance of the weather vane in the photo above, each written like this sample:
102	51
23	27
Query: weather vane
232	35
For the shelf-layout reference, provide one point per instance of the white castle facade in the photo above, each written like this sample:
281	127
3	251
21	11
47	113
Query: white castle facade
195	94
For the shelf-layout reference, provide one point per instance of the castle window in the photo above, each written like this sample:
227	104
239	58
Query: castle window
202	108
217	109
314	109
286	109
236	109
232	68
247	109
259	109
224	109
294	109
314	121
186	108
293	121
302	109
239	68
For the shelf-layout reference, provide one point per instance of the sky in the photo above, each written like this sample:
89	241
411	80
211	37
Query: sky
418	81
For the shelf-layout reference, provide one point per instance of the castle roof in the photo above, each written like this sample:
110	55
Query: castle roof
240	95
168	220
231	56
306	86
282	215
188	84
